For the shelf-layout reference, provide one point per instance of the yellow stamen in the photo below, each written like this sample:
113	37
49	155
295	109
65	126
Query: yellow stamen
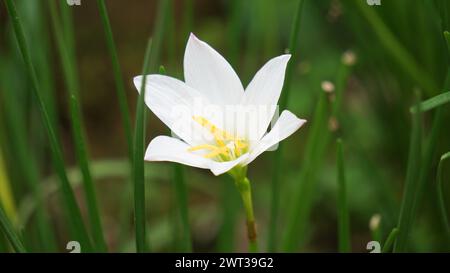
219	151
228	147
202	147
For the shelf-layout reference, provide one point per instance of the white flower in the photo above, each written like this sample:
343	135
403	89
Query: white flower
216	124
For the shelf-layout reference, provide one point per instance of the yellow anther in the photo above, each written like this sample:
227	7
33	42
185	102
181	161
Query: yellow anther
202	147
219	134
228	147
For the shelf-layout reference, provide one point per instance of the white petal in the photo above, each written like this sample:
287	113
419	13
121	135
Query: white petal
286	125
264	90
174	103
218	168
164	148
208	72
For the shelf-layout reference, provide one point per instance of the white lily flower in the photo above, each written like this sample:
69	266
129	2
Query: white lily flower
232	135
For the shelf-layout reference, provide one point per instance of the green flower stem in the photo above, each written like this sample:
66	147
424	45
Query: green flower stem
244	188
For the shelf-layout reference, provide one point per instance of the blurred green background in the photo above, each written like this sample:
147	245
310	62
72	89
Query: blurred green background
399	48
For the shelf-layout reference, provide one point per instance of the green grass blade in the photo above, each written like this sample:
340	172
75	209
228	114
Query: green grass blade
138	159
69	68
433	102
27	164
411	186
182	199
447	39
293	44
73	212
432	143
390	241
118	78
151	58
68	29
440	193
275	187
396	50
91	199
343	217
298	213
7	229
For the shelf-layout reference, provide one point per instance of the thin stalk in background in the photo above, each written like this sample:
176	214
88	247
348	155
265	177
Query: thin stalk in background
319	138
440	194
7	228
151	58
74	219
118	78
68	31
432	143
278	157
343	217
69	70
138	159
411	182
298	213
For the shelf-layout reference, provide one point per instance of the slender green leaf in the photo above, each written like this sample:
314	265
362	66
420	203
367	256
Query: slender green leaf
440	193
396	50
433	102
151	58
343	217
277	159
73	212
28	165
118	78
91	199
69	68
298	213
411	186
7	229
138	159
390	241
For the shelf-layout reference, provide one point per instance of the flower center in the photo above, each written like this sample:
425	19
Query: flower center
227	147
